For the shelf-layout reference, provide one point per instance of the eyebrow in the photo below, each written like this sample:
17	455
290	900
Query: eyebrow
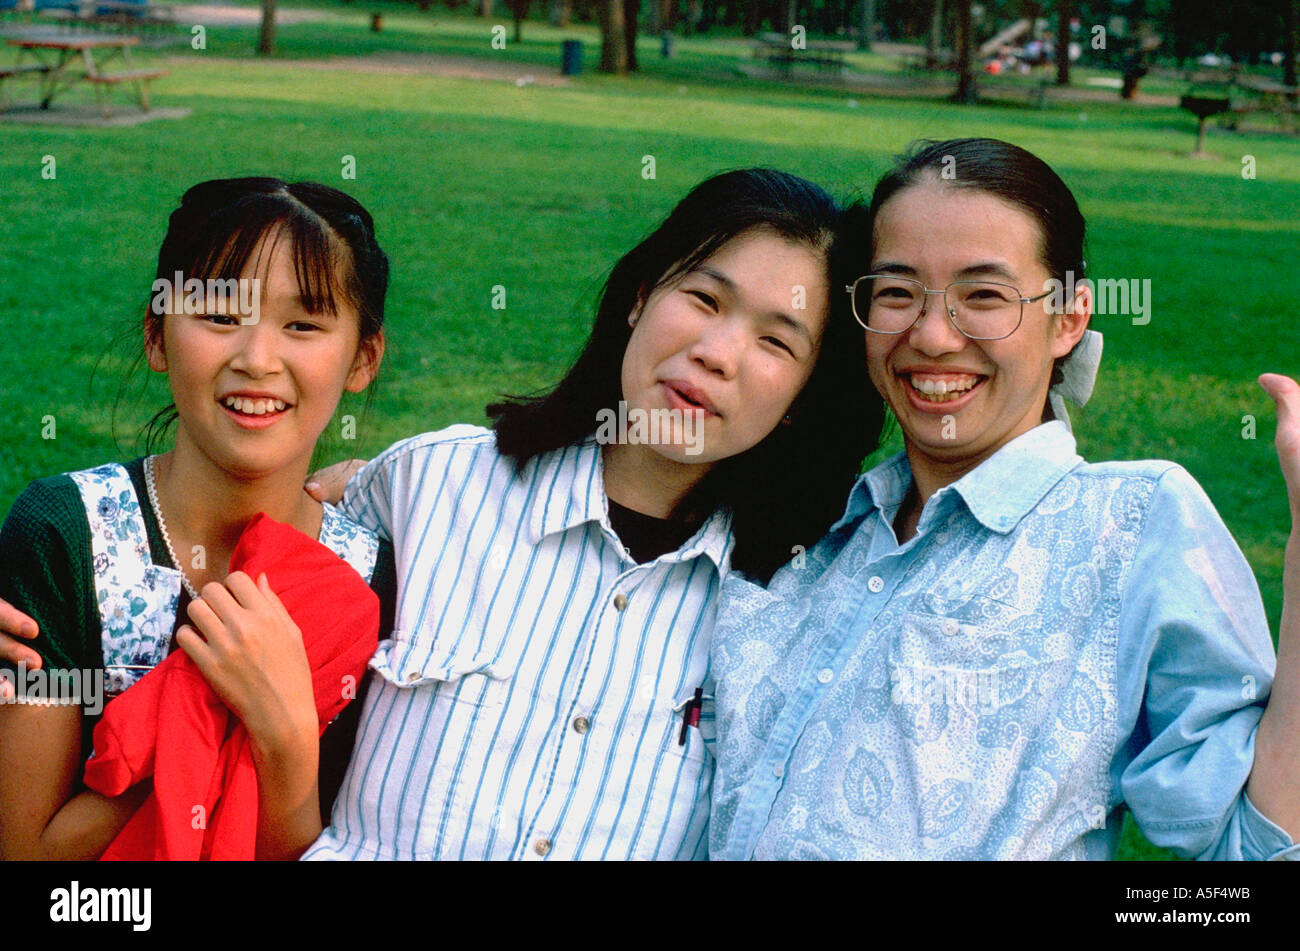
983	269
793	323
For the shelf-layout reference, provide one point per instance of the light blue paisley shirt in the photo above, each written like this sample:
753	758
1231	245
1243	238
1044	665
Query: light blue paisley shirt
1060	639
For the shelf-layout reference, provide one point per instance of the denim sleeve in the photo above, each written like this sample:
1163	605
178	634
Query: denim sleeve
1195	667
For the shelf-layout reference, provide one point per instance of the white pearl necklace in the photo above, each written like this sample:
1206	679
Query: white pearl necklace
162	525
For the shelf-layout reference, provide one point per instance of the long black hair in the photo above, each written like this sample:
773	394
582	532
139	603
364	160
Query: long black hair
788	489
220	223
1008	172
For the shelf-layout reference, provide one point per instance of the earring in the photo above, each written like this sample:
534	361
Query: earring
631	321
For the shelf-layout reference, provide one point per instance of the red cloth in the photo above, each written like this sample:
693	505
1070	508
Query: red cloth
171	726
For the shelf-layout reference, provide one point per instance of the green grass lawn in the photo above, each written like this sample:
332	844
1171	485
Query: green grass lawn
539	189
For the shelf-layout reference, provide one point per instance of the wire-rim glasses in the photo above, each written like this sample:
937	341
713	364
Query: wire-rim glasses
980	310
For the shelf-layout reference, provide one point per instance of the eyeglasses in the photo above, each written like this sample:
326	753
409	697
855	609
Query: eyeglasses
981	310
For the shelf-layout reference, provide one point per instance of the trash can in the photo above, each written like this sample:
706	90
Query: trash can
666	45
571	58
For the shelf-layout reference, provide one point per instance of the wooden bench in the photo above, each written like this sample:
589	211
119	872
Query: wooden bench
139	77
19	69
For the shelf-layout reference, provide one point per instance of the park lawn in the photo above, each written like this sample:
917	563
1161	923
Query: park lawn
537	189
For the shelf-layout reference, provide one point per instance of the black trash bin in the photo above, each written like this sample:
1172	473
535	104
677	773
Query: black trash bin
571	58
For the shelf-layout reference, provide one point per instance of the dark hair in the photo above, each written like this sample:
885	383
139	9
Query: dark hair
791	487
220	223
1010	173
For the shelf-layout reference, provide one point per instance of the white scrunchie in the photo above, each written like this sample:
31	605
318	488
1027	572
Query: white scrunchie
1080	374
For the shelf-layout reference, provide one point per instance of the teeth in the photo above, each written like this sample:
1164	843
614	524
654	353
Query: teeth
942	391
252	407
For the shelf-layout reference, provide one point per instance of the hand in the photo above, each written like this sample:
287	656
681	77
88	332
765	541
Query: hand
15	624
1286	393
327	485
251	654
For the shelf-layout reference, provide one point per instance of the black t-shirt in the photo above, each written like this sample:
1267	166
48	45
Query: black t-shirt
46	572
647	537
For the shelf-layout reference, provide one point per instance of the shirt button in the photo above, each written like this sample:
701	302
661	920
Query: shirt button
950	626
875	584
778	770
620	602
542	847
825	675
412	676
581	724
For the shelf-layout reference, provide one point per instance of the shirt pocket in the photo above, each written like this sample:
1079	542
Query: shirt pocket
988	682
410	660
442	703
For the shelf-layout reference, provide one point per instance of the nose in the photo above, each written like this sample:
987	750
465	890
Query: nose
718	347
933	333
258	352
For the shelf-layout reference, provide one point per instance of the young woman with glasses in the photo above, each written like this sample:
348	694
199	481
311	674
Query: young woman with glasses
1000	645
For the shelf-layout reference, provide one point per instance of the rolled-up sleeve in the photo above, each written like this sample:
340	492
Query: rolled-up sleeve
1195	668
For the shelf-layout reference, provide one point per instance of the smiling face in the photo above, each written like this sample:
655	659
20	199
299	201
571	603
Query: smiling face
254	398
937	234
736	338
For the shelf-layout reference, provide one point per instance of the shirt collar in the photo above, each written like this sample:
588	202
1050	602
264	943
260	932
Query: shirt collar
571	491
1005	487
999	492
884	487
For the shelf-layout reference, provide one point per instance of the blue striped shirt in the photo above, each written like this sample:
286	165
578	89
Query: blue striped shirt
529	703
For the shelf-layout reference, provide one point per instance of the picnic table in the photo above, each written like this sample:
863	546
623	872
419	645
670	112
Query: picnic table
62	62
778	50
1251	95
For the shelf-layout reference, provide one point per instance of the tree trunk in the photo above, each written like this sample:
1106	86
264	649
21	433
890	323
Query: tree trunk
613	37
792	12
934	43
562	12
1290	29
1064	12
266	42
867	24
753	18
965	48
631	12
485	8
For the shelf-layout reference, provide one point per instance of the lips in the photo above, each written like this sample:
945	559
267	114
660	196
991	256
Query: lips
687	397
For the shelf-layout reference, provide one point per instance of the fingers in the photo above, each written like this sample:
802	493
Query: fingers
328	484
188	640
16	652
14	623
244	591
1286	394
